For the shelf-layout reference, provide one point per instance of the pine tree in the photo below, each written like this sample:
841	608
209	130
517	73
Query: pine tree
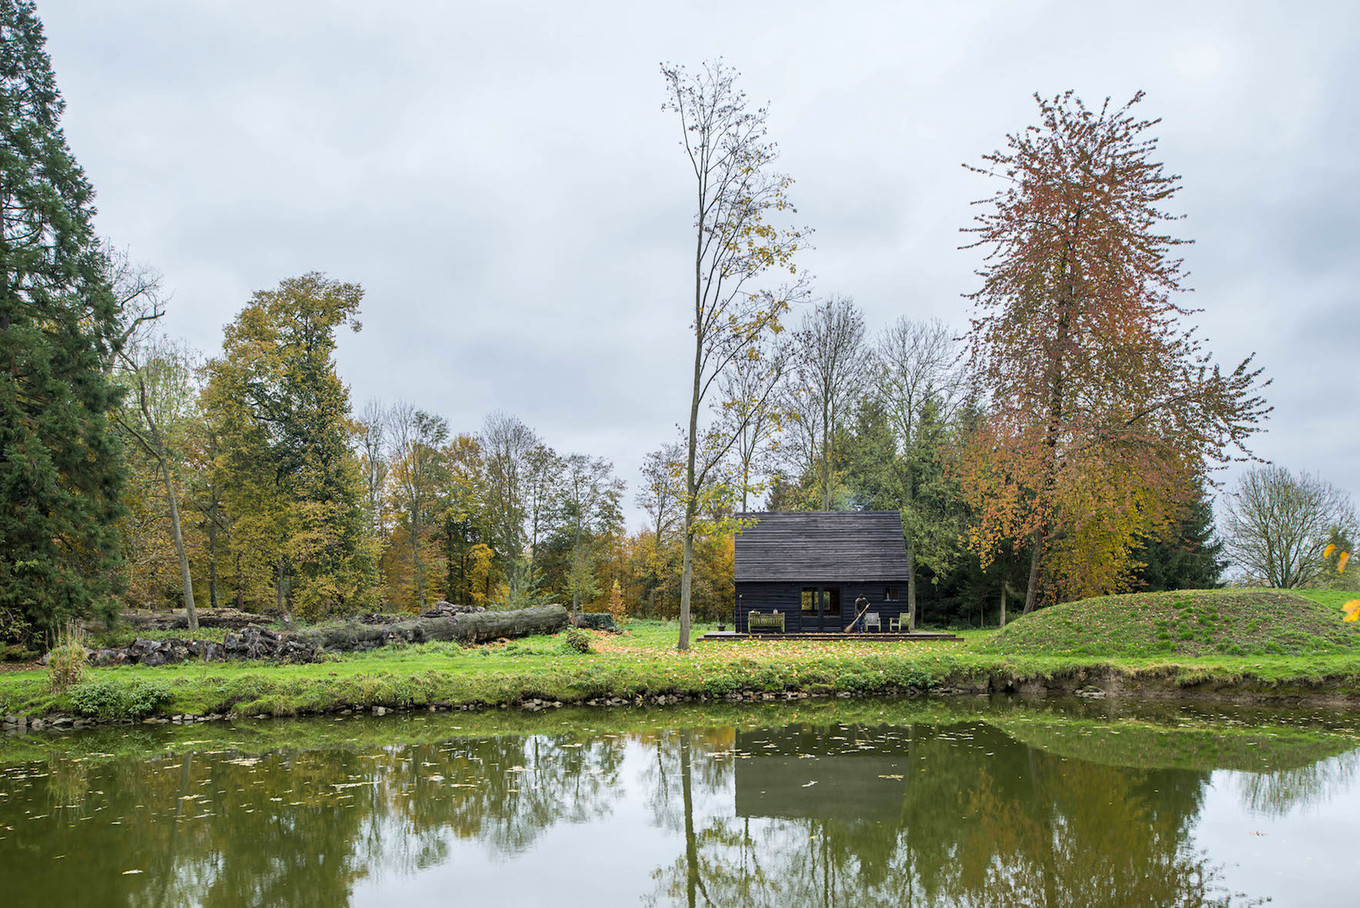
1186	556
60	465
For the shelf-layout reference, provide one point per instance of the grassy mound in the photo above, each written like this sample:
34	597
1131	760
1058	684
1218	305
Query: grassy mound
1184	623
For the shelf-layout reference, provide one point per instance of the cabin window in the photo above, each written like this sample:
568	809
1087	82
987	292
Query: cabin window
890	594
817	600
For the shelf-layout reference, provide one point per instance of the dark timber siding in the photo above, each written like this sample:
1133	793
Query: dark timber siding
858	553
787	598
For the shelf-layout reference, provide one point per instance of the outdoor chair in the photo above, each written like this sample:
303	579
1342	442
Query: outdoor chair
872	622
895	624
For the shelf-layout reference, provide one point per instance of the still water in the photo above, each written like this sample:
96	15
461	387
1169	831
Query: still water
817	803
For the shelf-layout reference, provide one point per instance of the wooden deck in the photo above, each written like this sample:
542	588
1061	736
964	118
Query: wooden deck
876	637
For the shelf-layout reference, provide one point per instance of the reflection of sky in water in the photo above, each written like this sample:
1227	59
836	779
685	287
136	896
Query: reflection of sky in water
1299	854
601	862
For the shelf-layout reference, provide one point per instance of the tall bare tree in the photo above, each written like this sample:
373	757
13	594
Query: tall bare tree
917	378
374	438
420	478
825	380
745	392
543	477
588	507
139	294
506	446
661	495
159	374
1276	525
163	399
736	191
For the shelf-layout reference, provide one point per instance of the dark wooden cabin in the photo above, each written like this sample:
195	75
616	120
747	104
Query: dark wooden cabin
811	566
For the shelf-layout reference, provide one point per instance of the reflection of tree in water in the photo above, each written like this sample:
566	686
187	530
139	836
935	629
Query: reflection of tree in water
1082	834
709	756
284	828
1275	794
504	792
925	814
683	766
208	830
976	819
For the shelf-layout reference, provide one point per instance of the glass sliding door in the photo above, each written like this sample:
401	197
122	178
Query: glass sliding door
820	608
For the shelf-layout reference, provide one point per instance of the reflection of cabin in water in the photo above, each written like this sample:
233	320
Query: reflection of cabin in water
841	772
811	566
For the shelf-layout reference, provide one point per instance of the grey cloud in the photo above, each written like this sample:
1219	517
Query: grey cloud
501	178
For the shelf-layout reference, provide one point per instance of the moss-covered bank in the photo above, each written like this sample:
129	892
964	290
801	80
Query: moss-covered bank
642	666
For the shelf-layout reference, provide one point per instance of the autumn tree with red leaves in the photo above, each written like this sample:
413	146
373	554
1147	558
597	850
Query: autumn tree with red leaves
1103	409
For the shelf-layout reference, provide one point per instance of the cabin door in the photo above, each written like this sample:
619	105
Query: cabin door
821	609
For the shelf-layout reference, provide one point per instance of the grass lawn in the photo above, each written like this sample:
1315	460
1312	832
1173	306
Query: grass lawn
1300	647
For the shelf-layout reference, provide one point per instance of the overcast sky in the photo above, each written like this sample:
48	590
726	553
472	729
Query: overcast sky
501	179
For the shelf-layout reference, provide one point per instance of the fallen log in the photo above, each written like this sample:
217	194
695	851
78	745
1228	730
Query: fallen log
474	627
480	626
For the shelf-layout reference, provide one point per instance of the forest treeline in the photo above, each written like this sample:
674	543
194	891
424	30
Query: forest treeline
288	500
1058	447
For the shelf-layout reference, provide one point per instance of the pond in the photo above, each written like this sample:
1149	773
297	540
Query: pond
853	803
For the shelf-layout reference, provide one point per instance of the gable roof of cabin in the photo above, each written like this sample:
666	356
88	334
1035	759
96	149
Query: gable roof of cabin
822	546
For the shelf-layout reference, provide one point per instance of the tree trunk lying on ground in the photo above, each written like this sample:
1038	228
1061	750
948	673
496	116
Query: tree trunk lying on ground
469	628
303	646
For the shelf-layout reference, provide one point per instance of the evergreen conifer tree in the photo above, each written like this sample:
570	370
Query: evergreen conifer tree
1186	556
60	465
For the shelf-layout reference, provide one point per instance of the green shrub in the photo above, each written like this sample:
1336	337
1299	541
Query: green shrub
118	700
17	652
578	640
720	686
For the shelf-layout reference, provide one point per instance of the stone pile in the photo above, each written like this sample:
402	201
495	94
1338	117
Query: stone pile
251	643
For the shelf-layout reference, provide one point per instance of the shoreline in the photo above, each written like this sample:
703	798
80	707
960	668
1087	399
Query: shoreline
1094	680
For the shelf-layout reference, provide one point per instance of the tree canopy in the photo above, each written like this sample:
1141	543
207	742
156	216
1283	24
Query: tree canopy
1277	524
290	475
1071	430
1102	405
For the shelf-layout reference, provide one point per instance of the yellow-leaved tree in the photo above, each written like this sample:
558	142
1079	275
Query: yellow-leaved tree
291	484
